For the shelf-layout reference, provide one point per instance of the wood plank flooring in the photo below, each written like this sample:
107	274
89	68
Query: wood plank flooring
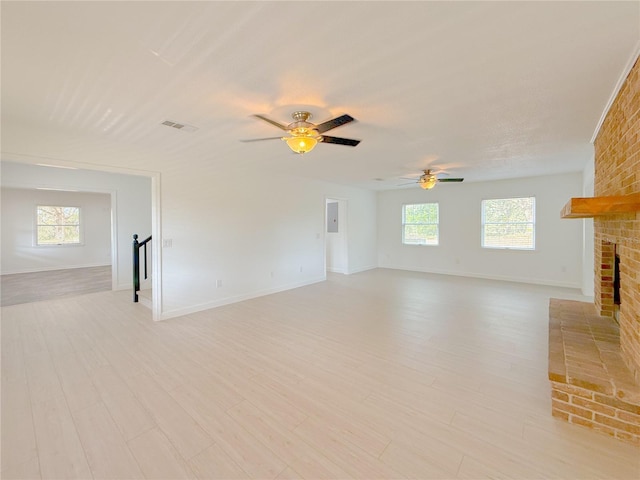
37	286
382	374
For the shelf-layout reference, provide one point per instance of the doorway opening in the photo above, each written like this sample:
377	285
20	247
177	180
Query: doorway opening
134	208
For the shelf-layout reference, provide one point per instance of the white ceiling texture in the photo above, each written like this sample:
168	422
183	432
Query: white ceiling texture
485	90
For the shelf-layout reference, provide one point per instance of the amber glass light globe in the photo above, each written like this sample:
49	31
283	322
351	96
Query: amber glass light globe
428	182
302	144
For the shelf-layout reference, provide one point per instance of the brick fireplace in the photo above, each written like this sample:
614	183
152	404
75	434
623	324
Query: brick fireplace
617	172
594	359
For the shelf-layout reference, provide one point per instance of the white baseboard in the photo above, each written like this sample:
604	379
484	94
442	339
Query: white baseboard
503	278
350	272
337	270
237	298
361	269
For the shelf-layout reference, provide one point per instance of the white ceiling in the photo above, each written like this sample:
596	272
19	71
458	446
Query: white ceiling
487	90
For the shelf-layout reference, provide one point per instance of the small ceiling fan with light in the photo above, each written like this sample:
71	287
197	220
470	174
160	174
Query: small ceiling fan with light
429	179
304	135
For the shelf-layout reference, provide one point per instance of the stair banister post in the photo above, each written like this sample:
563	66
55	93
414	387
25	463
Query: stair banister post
136	267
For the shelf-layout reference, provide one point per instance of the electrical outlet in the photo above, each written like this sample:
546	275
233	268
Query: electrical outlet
167	243
218	283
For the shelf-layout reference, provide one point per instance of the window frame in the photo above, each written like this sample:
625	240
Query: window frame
532	223
437	224
37	226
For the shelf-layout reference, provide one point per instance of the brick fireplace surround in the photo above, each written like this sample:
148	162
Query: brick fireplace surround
594	364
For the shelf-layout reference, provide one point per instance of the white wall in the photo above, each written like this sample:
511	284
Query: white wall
19	250
557	259
232	237
236	236
362	227
130	203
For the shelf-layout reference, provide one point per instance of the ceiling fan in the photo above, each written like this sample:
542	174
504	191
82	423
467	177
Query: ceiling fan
429	179
304	135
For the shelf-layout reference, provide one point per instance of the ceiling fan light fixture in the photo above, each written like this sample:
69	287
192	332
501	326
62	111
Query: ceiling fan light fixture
304	135
427	182
301	144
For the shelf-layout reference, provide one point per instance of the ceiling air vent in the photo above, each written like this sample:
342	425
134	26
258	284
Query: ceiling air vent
180	126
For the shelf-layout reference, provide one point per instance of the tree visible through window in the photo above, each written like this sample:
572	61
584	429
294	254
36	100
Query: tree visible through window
420	224
509	223
58	225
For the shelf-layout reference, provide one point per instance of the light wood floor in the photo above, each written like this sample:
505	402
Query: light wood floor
37	286
383	374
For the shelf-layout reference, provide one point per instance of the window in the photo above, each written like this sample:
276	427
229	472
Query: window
58	225
420	224
509	223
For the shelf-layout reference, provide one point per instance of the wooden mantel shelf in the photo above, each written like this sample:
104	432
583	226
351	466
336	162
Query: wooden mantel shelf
598	206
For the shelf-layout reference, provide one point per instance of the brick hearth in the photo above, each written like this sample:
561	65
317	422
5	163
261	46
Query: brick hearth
591	384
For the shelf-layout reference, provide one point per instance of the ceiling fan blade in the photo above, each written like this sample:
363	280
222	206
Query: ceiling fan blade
336	122
403	184
340	141
260	139
272	122
451	179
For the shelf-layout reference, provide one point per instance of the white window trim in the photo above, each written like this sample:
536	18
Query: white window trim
80	243
533	223
436	224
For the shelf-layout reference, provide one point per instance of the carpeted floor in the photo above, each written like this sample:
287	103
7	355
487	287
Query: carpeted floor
36	286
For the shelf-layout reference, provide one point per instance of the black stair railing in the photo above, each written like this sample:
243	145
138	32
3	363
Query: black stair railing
136	263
